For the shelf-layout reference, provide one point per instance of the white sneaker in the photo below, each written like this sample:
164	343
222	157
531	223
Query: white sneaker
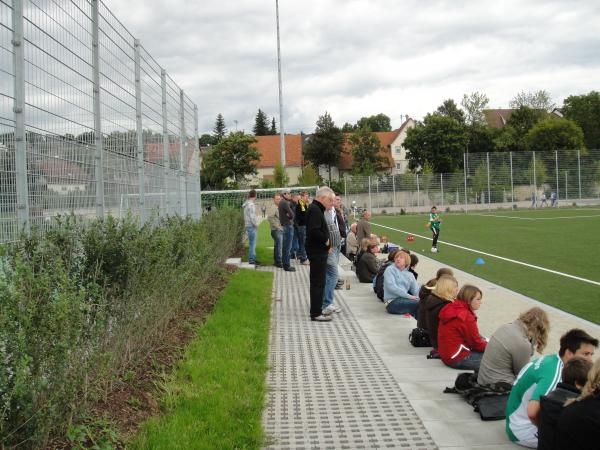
321	318
336	309
433	250
328	310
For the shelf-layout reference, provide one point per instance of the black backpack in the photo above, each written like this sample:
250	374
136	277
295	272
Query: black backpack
488	400
419	337
378	288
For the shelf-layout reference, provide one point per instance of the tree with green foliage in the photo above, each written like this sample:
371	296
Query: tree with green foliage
474	104
261	126
541	174
535	100
273	130
220	130
230	161
280	176
324	147
512	136
206	140
449	109
366	152
348	128
439	141
584	110
480	138
309	176
555	134
378	122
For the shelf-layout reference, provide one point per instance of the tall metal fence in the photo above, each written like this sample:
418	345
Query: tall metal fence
491	180
89	122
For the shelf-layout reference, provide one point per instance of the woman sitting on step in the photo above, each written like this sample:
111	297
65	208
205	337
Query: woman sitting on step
400	288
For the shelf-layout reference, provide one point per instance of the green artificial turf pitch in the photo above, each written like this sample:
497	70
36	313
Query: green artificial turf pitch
566	240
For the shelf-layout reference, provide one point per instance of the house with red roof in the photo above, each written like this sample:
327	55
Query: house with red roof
270	155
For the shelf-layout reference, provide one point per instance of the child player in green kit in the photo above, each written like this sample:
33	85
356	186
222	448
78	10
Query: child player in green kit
434	224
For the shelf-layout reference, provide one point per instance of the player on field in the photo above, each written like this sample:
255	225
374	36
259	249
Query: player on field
434	225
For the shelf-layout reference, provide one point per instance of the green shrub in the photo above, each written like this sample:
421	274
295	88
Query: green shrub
85	302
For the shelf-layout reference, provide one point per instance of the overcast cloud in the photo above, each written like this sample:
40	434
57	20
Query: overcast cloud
361	57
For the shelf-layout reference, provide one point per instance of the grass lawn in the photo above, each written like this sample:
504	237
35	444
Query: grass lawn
559	239
216	396
264	245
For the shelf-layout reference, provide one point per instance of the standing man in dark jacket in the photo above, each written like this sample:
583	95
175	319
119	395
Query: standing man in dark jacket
301	208
286	217
318	249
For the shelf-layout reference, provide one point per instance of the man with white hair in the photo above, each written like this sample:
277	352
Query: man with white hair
318	248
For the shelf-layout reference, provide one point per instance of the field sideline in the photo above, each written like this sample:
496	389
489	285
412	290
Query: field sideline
562	240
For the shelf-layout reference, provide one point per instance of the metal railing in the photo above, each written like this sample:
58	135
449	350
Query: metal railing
89	121
491	181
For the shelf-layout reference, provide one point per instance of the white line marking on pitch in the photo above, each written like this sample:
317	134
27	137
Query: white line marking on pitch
532	218
585	280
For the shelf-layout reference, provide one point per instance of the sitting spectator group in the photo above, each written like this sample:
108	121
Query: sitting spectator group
552	402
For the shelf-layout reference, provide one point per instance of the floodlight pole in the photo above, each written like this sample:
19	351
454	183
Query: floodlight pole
281	131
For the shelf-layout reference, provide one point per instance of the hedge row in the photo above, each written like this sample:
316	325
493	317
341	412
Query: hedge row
85	302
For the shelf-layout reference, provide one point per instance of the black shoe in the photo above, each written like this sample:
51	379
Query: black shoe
289	269
278	265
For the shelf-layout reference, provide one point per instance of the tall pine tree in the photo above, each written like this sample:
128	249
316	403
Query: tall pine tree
261	127
325	146
273	130
219	130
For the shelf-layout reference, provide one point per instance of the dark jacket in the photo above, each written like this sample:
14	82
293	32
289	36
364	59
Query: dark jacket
300	213
341	223
458	334
317	232
579	424
286	215
551	406
426	289
366	267
428	316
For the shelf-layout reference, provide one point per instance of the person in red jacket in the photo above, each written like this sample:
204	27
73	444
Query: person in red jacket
459	342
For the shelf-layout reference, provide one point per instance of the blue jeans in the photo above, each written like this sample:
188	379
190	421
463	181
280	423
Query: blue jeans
471	362
301	241
251	244
277	236
403	306
288	237
331	277
295	246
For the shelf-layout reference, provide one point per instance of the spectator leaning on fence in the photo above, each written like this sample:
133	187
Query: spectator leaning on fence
537	378
276	231
251	224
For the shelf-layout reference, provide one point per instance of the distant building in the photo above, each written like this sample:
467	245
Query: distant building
497	118
270	155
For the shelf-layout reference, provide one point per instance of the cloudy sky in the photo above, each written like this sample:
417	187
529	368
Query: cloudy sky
361	57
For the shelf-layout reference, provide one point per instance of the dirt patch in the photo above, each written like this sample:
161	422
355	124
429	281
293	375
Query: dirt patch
136	397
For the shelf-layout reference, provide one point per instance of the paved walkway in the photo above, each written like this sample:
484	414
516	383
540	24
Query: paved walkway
358	383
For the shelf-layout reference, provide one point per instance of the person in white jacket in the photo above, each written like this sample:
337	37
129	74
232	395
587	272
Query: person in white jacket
251	223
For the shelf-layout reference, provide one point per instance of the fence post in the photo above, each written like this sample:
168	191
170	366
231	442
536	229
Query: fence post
418	194
534	183
512	186
99	156
377	194
556	168
487	157
566	186
465	172
197	148
18	43
182	156
579	172
442	188
345	192
166	143
139	130
393	190
370	201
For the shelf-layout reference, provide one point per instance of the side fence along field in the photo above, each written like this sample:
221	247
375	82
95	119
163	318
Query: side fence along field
547	254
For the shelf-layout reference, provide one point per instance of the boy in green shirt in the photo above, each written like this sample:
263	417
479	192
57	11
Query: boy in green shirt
539	378
434	225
